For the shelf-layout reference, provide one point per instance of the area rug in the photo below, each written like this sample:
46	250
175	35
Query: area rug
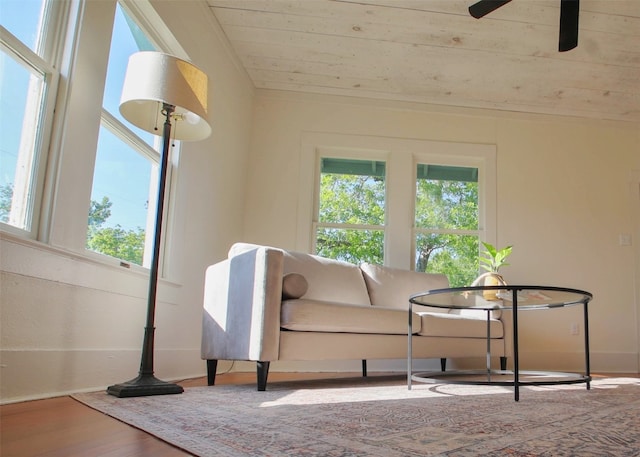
379	416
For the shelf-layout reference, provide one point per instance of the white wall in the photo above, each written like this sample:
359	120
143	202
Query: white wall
564	196
73	323
69	323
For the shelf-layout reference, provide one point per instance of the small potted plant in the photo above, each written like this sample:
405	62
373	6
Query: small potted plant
493	259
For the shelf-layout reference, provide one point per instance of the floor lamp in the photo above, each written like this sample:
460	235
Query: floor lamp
159	87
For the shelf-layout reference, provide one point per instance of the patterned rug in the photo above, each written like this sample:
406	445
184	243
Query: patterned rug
379	416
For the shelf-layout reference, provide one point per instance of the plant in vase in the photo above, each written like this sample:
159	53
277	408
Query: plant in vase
493	259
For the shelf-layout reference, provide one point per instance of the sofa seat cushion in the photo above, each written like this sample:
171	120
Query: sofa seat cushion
456	325
392	287
318	316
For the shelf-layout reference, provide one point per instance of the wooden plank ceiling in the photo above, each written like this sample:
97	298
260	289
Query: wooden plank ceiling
433	51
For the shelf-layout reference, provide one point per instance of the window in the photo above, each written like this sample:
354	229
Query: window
410	204
124	181
447	222
29	56
351	210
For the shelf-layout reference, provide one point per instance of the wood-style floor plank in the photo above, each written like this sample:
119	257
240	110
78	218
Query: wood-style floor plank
63	427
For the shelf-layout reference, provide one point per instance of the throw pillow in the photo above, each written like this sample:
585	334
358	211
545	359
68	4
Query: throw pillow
294	285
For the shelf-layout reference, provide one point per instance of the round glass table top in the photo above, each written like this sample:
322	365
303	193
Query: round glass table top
502	297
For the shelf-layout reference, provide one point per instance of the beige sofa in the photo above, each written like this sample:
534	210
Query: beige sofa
265	304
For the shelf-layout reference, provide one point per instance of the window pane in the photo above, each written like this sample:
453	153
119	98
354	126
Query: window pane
125	178
126	39
352	198
23	18
355	246
352	194
119	200
443	204
453	255
21	98
446	211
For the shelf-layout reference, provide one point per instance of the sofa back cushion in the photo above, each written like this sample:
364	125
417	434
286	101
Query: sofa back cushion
392	287
327	279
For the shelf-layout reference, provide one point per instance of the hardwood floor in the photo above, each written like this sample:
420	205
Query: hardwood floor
63	427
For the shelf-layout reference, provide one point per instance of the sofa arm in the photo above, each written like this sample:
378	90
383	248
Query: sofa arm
242	298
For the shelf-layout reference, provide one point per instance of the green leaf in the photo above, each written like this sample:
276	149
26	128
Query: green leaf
495	258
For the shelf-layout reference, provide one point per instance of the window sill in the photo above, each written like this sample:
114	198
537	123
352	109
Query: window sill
32	258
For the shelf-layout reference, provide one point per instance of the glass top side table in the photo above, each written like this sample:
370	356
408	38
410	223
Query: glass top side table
504	297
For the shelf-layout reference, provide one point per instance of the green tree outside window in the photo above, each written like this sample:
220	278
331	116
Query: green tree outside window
114	241
351	216
447	226
351	211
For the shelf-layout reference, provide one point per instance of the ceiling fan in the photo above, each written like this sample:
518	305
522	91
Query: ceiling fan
569	10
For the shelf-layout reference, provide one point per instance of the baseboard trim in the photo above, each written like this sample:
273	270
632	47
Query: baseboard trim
601	362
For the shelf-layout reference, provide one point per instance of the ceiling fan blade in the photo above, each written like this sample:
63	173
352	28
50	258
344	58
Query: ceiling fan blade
569	11
484	7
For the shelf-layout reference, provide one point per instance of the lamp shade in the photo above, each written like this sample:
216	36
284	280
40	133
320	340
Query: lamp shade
154	78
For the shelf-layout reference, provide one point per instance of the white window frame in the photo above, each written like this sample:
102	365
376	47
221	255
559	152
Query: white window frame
485	208
353	154
161	37
27	200
401	157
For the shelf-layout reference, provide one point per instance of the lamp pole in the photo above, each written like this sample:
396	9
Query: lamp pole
160	84
146	383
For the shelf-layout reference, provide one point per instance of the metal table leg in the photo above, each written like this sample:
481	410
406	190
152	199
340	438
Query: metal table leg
516	361
409	347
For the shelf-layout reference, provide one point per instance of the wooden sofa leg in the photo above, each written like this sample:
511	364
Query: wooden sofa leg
503	363
364	368
212	366
263	373
443	364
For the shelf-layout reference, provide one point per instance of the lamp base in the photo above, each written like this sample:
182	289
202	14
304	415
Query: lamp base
144	385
